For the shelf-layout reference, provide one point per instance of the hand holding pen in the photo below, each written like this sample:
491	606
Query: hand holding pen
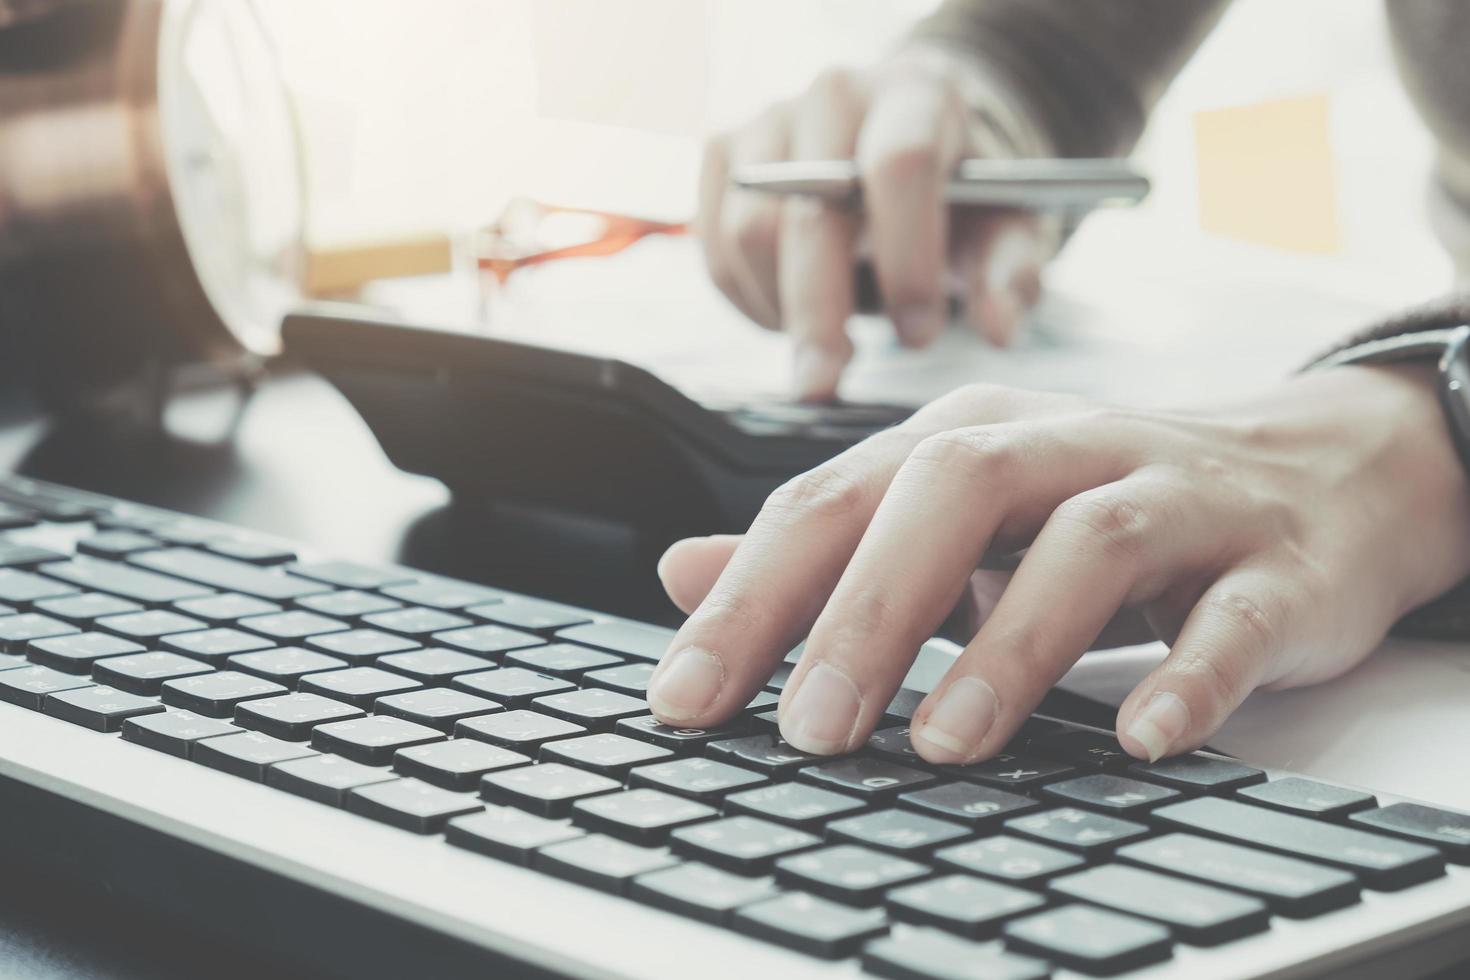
933	221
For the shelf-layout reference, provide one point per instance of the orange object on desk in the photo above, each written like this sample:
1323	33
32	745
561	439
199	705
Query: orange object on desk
530	233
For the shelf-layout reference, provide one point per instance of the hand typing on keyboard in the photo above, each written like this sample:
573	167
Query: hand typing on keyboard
1273	542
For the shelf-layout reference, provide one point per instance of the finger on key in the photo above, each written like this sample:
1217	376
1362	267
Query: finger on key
818	242
911	142
1234	639
944	507
1117	544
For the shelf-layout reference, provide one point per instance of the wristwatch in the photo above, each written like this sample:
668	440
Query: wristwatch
1438	331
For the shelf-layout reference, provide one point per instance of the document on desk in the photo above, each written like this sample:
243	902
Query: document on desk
1399	722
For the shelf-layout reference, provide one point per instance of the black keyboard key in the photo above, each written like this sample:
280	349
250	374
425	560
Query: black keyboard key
1290	887
225	574
797	804
928	954
893	743
643	816
964	904
518	729
562	659
324	778
115	578
359	646
116	544
508	834
699	891
456	765
970	803
84	608
214	646
629	678
432	665
1020	773
867	777
699	779
76	653
149	625
28	686
293	624
811	925
1086	750
487	641
767	753
1385	863
601	861
284	665
1091	940
174	731
748	845
762	701
350	604
548	789
1110	793
102	709
1007	858
20	588
217	694
13	517
372	741
1307	797
410	804
418	622
647	728
16	632
248	754
349	575
145	673
1198	773
292	717
1078	830
1198	914
255	552
591	707
437	707
1444	829
442	594
529	614
629	639
225	608
514	687
359	686
848	873
604	752
900	831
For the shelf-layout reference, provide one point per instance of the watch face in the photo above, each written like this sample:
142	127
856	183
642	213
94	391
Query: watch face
233	161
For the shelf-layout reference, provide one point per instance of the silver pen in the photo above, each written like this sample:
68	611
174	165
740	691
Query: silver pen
1034	184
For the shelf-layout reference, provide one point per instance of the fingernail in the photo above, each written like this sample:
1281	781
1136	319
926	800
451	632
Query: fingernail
822	715
1161	723
687	685
919	324
960	721
816	372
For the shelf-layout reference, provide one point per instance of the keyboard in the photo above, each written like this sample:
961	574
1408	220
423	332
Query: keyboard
394	773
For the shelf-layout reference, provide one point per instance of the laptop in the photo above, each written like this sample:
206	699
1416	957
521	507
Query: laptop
376	772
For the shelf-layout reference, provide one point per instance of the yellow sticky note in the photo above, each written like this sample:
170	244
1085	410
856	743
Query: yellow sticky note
1266	174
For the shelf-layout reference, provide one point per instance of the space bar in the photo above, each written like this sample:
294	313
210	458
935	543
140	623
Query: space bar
227	574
